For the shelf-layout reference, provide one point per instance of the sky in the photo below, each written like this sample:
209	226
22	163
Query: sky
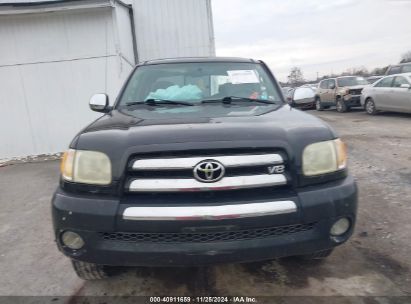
319	36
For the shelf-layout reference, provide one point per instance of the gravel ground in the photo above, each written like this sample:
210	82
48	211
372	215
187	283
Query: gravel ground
375	262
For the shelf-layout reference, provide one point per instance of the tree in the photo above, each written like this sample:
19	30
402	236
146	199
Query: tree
296	77
406	57
357	71
379	71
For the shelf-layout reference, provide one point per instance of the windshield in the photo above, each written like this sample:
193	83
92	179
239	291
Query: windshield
351	81
197	82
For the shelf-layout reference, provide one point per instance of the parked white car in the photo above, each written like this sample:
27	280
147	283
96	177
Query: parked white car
302	97
391	93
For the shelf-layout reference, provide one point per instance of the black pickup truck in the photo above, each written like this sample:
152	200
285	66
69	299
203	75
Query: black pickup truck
200	161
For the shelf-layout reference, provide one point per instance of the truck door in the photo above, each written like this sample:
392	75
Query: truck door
332	88
322	90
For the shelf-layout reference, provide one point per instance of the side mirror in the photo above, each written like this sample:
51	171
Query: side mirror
405	86
332	87
99	103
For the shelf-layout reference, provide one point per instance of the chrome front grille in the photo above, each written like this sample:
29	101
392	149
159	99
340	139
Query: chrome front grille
355	91
180	174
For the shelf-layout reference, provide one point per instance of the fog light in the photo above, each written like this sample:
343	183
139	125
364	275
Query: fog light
72	240
340	227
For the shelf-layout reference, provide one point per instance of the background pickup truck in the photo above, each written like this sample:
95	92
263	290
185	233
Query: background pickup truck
341	92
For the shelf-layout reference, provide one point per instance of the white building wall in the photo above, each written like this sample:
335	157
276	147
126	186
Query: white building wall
124	33
173	28
57	36
50	66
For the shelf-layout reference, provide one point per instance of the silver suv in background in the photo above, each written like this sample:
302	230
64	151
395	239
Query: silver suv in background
391	93
374	79
342	92
399	69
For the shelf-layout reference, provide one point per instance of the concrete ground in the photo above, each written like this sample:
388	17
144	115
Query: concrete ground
375	262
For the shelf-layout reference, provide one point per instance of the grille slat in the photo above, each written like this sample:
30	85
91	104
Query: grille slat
238	235
355	91
177	163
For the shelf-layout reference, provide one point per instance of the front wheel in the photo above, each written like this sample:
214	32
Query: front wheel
318	105
341	106
370	107
90	271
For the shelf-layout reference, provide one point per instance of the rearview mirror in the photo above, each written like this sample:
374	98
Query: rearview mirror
99	103
406	86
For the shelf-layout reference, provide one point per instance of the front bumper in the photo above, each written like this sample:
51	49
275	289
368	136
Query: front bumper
353	100
303	106
92	218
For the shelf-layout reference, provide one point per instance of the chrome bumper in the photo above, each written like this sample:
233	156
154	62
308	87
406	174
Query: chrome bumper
208	212
227	183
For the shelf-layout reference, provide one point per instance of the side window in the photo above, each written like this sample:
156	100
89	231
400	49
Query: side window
398	81
394	70
331	83
406	68
385	82
324	84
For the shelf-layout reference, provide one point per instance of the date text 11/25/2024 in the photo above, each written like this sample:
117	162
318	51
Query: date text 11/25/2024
204	299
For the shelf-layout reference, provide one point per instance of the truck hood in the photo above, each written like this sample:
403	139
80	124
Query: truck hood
361	86
121	135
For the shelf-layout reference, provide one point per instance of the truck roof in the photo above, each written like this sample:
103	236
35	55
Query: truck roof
199	59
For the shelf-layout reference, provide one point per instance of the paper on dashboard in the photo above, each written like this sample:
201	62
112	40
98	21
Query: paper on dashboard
242	76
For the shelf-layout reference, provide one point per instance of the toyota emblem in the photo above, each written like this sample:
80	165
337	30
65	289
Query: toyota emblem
209	171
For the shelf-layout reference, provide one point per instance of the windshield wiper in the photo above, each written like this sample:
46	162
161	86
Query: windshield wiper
229	99
153	102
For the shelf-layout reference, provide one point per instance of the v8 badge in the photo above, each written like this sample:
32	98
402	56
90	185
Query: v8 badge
276	169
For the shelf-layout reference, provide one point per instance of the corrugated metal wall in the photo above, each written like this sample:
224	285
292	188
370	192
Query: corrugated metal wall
173	28
50	65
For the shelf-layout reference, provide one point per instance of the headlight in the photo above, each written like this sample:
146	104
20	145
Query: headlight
344	91
324	157
87	167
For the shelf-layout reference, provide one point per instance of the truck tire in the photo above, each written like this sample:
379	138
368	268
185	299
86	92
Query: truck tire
319	255
318	105
341	106
89	271
370	107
